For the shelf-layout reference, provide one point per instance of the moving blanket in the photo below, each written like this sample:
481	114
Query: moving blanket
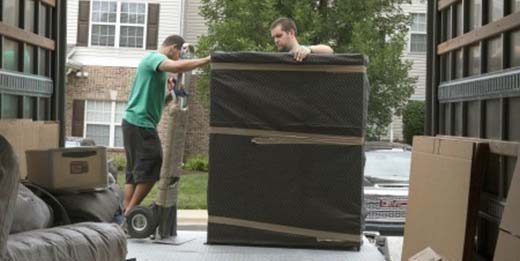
286	154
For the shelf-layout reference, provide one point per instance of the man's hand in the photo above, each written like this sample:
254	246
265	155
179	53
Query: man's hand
301	53
171	83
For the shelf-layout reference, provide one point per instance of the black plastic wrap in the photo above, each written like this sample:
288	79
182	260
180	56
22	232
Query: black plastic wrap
314	102
307	186
287	58
310	186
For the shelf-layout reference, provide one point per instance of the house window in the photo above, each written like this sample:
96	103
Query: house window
418	34
118	24
132	25
103	122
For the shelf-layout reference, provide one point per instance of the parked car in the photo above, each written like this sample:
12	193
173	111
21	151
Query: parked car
386	176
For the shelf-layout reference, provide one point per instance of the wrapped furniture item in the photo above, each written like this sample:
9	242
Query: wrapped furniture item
95	206
286	154
82	241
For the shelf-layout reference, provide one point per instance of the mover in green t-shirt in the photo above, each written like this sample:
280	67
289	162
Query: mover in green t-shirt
145	105
283	32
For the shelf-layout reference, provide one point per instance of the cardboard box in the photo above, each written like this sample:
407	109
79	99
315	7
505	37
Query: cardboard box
81	168
508	243
508	247
427	254
511	216
24	134
442	174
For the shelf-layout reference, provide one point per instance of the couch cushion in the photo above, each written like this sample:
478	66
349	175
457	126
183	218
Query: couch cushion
9	176
30	212
82	241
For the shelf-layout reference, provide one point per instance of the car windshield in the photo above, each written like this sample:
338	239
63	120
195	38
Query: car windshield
388	164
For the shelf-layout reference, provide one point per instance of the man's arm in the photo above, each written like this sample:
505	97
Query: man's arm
181	66
302	52
321	48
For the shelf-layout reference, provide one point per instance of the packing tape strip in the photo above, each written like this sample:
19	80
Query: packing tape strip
320	235
289	67
282	137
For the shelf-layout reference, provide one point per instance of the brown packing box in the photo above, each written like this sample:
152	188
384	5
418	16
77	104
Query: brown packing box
508	247
438	197
25	134
508	243
79	169
511	216
426	254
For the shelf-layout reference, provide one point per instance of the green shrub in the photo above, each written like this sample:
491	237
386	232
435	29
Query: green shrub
413	120
197	163
119	161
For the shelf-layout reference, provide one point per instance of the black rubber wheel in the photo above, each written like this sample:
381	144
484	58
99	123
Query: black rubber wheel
141	222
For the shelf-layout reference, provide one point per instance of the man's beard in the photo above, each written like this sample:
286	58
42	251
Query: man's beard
284	49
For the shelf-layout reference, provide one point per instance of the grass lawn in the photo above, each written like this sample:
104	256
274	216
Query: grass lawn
192	194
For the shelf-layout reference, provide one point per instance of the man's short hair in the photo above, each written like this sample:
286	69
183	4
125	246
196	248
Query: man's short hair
287	24
176	40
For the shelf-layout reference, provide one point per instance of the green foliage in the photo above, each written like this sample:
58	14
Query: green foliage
413	120
197	163
376	28
192	190
119	161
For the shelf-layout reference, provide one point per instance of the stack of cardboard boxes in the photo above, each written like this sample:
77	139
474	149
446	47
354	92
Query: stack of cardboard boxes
41	162
447	201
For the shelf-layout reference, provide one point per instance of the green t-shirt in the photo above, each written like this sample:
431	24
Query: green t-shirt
146	99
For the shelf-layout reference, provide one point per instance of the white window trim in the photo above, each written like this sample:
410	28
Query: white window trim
118	25
410	32
112	125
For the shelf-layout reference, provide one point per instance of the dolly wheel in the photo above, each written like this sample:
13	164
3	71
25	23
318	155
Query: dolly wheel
141	222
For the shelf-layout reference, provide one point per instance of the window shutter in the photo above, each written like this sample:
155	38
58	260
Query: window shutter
78	118
83	23
152	33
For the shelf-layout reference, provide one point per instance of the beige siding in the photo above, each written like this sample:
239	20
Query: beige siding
418	70
169	23
419	59
72	21
194	24
171	18
100	56
417	6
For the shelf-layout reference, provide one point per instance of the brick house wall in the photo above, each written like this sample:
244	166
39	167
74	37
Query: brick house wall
197	141
99	85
